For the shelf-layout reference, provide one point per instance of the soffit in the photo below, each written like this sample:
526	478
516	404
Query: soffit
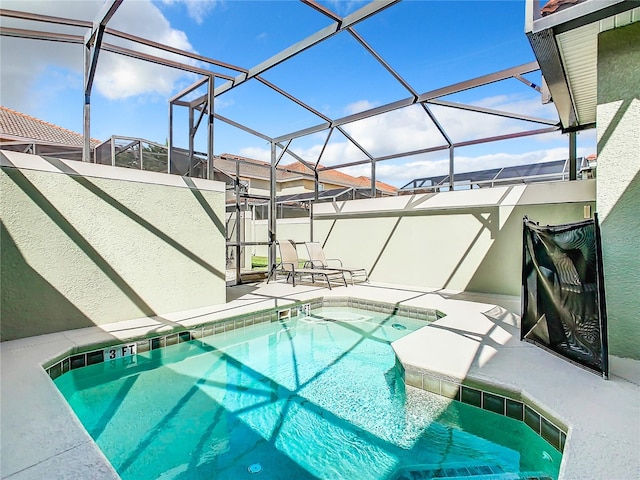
579	53
566	46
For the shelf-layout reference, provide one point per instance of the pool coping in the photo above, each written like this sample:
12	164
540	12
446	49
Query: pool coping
94	353
41	437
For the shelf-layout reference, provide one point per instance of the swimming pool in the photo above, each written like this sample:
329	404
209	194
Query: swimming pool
317	396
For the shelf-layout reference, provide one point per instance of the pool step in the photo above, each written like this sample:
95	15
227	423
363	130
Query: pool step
470	472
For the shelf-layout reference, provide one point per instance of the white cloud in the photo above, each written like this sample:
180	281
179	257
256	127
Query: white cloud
199	9
408	129
400	174
117	77
25	61
344	7
257	153
120	77
196	9
359	106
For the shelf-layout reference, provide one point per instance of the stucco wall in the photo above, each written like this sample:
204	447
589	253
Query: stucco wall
86	244
618	183
462	240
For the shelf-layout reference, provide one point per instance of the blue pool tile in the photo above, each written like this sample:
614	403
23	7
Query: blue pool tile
77	361
515	409
55	371
95	357
493	403
550	433
471	396
532	419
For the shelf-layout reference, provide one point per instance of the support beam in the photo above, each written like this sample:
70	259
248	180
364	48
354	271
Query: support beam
93	44
365	12
93	39
573	160
36	17
451	168
490	111
284	150
36	35
435	121
242	127
210	128
238	248
322	9
480	81
272	211
373	179
292	98
477	141
177	51
352	140
191	141
170	141
107	47
537	88
382	62
324	146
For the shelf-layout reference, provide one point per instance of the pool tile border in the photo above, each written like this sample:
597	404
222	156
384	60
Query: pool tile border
497	400
94	353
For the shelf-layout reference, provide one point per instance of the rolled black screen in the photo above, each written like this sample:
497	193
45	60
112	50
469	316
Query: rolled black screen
563	292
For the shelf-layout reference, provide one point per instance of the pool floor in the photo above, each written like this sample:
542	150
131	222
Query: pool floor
312	397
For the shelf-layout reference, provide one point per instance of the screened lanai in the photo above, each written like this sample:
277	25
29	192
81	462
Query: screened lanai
423	117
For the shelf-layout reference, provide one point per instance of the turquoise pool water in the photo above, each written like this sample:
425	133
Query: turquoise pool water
298	399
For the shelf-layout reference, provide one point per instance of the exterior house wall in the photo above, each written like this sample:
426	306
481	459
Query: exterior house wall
462	240
618	183
86	244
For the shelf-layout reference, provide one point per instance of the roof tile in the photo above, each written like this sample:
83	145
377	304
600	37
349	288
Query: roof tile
553	6
30	128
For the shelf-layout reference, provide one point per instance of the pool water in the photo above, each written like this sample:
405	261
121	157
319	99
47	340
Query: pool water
310	397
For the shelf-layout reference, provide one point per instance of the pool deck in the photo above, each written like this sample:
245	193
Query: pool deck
478	340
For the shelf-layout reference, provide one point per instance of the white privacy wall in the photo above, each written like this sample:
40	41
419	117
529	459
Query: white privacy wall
86	244
461	240
618	180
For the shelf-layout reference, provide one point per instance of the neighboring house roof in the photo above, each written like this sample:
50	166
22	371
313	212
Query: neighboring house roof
340	178
553	6
251	168
16	126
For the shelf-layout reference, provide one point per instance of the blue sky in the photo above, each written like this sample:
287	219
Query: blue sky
431	44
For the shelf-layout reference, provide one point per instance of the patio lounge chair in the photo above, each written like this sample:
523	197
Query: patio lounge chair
318	259
289	265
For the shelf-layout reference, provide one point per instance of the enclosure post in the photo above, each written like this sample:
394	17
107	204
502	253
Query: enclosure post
191	135
316	183
373	179
311	221
238	236
170	140
272	210
140	150
86	145
113	150
451	178
573	170
210	139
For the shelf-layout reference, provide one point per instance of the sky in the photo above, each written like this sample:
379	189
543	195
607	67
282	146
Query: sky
430	44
